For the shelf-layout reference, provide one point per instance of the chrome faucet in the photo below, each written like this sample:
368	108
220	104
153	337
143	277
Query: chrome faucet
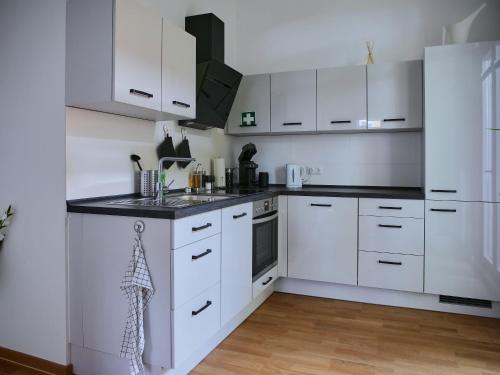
159	192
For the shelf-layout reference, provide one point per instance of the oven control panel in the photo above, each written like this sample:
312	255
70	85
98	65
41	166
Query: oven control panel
264	206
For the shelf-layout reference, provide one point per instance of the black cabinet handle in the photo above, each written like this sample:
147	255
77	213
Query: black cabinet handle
391	263
141	93
340	122
181	104
268	281
442	191
394	119
194	257
196	229
194	313
291	123
443	210
390	226
390	208
320	205
239	216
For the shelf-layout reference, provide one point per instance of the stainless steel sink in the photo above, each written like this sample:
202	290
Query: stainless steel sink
171	200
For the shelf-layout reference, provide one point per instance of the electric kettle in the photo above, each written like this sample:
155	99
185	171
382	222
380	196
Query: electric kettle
295	175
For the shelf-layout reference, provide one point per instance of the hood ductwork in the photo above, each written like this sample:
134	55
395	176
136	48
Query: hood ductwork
216	83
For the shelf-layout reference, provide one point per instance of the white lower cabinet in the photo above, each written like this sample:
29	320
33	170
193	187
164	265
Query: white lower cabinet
322	239
194	228
391	271
265	281
195	323
462	242
236	260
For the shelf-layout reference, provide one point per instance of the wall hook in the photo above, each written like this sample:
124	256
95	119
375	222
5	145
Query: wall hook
139	227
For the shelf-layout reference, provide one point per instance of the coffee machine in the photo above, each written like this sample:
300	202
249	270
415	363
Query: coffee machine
248	168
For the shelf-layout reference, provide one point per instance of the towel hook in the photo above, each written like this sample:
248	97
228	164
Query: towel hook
165	130
183	133
139	227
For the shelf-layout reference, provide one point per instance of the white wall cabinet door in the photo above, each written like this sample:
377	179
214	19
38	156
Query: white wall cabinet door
251	111
342	98
236	268
462	151
461	249
293	102
322	239
395	95
178	72
137	55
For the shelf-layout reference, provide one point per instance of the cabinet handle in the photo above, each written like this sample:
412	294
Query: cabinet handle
394	119
320	205
196	312
267	281
390	208
443	210
390	226
291	123
194	257
340	122
141	93
239	216
181	104
391	263
196	229
442	191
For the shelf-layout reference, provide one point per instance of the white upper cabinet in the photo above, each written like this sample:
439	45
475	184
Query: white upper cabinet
395	95
114	61
178	72
342	98
461	145
293	102
137	51
251	111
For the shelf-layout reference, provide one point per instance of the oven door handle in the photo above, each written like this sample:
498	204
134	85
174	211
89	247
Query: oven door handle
265	219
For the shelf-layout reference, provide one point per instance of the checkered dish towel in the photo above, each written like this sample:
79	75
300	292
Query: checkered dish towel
138	288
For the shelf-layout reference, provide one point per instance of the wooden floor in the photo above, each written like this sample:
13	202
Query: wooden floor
9	368
292	334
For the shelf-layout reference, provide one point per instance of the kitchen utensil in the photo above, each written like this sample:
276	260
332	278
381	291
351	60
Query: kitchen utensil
136	159
263	179
219	172
183	150
166	148
149	183
295	175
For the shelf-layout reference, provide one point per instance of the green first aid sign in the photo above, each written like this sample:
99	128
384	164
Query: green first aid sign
248	119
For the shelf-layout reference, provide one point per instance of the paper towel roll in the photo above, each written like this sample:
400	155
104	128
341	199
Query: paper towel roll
219	172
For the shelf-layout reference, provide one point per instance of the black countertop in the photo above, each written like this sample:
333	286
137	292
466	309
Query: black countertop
101	205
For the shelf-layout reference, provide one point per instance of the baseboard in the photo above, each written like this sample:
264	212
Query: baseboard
35	363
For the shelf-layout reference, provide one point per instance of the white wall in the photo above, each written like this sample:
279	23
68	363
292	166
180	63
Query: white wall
32	167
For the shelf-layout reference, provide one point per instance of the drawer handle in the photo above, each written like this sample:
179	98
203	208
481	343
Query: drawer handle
443	191
291	123
181	104
390	226
141	93
390	263
196	229
320	205
194	313
394	119
194	257
443	210
340	122
239	216
390	208
267	281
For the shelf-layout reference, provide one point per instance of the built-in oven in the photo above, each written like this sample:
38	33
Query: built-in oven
265	236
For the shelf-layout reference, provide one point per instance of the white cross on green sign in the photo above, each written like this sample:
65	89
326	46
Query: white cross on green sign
248	119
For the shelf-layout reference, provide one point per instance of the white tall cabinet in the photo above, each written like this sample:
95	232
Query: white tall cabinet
462	170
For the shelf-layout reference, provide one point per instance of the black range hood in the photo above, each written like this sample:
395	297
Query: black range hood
216	83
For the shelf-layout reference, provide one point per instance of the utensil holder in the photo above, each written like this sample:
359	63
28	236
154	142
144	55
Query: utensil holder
149	183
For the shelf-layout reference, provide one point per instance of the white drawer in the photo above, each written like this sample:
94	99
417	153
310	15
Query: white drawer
391	235
195	267
391	271
265	281
194	228
392	207
195	323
